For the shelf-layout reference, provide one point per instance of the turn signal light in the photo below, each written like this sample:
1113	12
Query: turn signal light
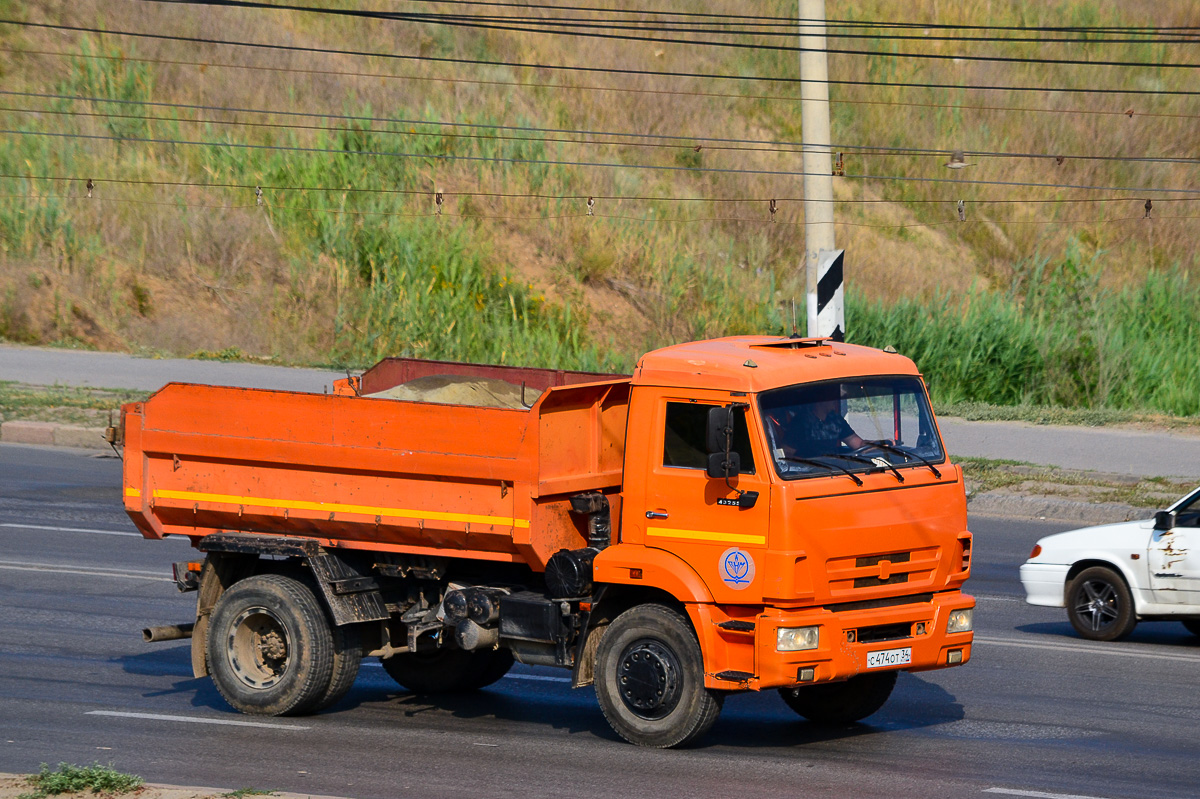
1037	550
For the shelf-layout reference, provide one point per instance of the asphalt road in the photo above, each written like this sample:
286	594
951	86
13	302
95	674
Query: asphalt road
1145	453
1038	712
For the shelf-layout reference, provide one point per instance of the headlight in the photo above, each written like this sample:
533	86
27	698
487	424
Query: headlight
795	639
960	621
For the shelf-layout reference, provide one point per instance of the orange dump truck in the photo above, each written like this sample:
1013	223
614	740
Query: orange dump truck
745	513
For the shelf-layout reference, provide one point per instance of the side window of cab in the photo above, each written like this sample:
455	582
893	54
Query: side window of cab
684	439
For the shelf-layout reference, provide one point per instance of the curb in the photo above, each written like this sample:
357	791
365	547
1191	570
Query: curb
52	434
1040	508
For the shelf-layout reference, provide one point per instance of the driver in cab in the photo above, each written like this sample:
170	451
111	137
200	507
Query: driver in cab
814	428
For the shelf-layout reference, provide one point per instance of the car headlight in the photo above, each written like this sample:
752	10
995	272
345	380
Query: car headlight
796	639
960	621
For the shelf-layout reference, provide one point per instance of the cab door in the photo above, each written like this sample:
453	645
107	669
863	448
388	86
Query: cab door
1175	557
700	518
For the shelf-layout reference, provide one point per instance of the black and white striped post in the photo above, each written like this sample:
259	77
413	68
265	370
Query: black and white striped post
822	259
826	305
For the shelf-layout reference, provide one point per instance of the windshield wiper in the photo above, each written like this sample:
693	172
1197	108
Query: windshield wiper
869	462
812	462
907	454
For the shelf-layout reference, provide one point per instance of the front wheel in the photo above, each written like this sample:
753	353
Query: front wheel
649	679
1100	606
270	648
841	702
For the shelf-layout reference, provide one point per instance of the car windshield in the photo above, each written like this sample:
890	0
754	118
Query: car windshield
861	424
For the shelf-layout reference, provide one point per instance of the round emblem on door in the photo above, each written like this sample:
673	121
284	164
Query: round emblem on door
737	568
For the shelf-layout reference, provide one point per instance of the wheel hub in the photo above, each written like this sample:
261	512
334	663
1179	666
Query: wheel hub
258	648
648	679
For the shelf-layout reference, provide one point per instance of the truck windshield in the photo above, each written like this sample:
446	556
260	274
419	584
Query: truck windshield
838	426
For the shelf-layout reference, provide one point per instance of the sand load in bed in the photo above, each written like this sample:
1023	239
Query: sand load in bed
457	390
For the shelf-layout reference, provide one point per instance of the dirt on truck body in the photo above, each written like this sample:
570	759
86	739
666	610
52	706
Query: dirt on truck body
746	513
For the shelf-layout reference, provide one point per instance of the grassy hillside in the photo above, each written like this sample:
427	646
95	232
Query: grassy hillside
347	259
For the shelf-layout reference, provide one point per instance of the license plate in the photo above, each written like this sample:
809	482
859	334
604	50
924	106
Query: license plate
889	657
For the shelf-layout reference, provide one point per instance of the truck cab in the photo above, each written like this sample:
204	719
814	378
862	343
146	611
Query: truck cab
834	552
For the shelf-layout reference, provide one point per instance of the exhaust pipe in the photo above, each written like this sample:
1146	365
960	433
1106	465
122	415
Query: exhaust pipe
168	632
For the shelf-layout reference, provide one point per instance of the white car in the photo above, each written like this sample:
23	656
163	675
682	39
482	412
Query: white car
1112	576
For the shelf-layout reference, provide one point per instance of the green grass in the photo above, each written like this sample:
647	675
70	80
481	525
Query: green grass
64	404
242	793
68	778
1056	340
988	474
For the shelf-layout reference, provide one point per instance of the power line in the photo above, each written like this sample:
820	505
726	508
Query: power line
448	192
790	27
620	89
574	68
594	164
672	142
794	21
582	215
464	21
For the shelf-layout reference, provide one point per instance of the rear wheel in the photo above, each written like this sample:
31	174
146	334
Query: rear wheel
841	702
649	679
443	671
270	648
1099	605
347	657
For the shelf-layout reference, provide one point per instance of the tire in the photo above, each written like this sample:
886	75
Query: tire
649	679
270	648
841	702
1193	626
1099	605
347	657
447	671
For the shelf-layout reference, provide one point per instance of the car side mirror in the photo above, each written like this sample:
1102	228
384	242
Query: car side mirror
723	465
1164	520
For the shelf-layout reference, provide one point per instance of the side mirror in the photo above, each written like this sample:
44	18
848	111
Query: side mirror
720	417
1164	520
723	465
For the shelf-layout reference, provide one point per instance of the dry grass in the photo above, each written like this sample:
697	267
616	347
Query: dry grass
146	272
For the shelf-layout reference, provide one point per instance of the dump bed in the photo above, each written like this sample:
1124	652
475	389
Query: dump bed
379	474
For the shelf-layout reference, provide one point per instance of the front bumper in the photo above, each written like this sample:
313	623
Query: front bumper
851	642
1045	583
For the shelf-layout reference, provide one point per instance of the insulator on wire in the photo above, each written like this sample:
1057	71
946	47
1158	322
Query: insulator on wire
962	211
1148	206
90	186
591	206
774	207
438	201
258	195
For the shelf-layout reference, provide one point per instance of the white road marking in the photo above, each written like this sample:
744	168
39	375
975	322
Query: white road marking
1107	649
87	571
70	529
1039	794
194	720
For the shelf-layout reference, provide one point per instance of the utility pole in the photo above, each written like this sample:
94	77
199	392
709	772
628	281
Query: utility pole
822	262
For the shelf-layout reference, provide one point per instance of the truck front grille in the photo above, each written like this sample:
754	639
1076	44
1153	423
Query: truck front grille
849	576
